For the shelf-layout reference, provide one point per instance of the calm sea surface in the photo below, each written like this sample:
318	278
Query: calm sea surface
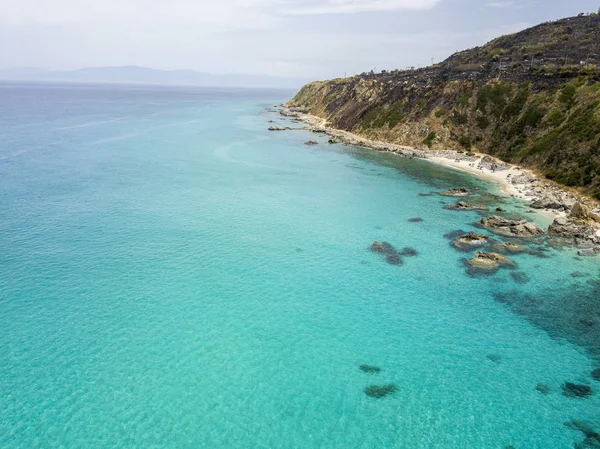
173	275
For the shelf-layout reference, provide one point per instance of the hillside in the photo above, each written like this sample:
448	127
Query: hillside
531	98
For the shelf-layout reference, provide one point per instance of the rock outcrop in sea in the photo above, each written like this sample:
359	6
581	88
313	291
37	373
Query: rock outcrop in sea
511	228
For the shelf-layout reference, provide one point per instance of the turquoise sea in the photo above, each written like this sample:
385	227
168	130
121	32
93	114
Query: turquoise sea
173	275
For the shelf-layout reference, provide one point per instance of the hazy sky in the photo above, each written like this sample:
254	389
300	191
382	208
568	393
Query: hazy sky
305	38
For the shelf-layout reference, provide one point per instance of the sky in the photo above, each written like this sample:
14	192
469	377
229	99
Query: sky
315	39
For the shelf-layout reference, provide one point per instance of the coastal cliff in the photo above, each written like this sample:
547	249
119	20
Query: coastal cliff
531	98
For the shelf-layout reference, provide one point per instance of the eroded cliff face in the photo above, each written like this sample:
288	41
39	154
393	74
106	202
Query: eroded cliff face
546	117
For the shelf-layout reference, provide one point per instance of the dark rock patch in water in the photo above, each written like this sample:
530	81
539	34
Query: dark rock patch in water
539	252
370	369
508	248
494	358
519	277
393	259
543	388
415	220
586	322
459	192
463	205
578	274
565	313
392	256
425	194
596	374
376	391
409	252
574	390
592	437
454	234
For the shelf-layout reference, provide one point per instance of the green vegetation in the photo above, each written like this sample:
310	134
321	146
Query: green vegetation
430	139
382	115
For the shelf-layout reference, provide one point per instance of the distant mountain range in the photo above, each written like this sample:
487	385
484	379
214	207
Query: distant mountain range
145	75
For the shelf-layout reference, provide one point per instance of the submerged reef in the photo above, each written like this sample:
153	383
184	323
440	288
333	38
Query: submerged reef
370	369
376	391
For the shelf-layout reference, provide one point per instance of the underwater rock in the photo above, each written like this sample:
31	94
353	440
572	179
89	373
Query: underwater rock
391	255
494	358
520	277
508	248
376	391
592	437
454	234
596	374
425	194
278	128
543	388
369	369
499	209
490	262
462	205
311	142
578	274
332	141
394	259
511	228
461	191
573	390
409	252
586	322
382	248
470	241
415	220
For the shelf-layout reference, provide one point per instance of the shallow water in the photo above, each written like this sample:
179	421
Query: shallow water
175	275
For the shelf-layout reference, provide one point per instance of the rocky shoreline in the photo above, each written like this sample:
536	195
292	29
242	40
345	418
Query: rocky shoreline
575	218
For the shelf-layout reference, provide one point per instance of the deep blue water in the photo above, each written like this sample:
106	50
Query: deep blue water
174	275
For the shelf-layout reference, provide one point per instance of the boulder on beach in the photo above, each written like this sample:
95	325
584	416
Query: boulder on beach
461	191
554	201
463	205
511	228
471	241
490	262
581	223
376	391
492	164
